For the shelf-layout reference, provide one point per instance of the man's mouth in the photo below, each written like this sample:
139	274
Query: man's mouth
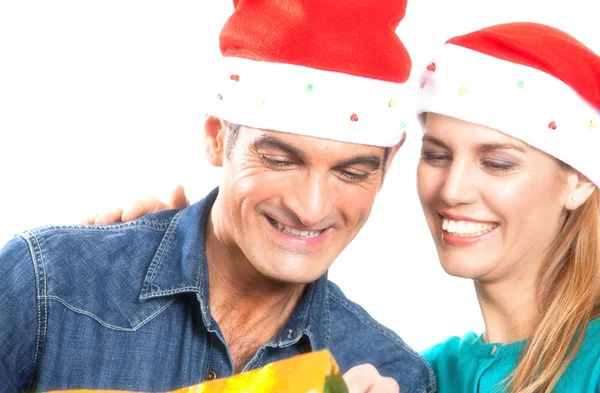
467	228
293	231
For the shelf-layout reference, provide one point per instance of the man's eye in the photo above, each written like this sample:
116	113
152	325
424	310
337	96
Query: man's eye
435	158
353	177
278	163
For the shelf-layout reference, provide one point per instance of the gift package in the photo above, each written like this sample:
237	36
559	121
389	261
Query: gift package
315	372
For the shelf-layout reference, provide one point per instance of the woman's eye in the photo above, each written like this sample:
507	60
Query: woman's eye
498	165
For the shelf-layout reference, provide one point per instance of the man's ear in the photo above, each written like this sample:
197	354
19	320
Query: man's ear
215	130
580	189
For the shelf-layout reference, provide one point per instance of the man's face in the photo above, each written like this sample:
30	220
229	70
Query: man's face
289	204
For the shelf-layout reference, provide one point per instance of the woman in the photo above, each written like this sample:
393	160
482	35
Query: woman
508	180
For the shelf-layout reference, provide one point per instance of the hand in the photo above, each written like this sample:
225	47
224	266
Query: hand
366	379
140	208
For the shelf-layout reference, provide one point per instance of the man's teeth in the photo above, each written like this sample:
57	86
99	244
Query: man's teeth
296	232
467	228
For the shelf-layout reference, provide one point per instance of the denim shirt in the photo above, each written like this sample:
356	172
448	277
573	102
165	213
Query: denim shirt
126	306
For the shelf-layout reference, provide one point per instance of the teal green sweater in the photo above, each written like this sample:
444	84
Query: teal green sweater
469	365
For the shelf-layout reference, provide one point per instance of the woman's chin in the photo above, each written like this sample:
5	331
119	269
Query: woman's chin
462	269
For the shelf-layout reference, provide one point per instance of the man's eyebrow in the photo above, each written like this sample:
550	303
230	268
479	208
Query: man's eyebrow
272	142
371	160
487	147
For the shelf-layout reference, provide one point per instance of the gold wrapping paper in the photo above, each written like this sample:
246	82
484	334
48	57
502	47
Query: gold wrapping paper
315	372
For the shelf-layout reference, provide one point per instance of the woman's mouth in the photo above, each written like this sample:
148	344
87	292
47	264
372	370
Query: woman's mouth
467	228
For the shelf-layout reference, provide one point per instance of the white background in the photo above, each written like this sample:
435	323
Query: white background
100	104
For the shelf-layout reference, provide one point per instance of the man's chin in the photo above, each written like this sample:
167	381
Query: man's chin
296	272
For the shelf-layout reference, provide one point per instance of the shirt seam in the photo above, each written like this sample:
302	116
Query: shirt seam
327	319
159	226
209	355
431	387
39	268
174	291
103	322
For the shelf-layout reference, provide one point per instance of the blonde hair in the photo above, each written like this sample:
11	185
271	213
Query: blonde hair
569	293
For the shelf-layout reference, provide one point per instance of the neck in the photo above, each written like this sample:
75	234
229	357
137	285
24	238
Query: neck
509	308
241	294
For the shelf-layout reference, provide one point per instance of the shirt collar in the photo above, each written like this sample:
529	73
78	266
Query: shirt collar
180	266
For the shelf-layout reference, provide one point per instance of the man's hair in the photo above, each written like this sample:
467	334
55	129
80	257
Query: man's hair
234	132
232	137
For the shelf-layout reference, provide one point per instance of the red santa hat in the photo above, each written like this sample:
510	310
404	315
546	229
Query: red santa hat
528	80
323	68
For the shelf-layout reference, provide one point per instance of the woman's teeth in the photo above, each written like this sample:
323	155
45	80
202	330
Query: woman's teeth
467	228
296	232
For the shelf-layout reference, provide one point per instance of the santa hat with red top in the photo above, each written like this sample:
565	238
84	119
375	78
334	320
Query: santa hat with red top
527	80
324	68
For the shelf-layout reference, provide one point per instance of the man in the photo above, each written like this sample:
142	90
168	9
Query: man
304	124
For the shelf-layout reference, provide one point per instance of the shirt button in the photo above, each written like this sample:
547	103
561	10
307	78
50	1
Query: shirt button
211	375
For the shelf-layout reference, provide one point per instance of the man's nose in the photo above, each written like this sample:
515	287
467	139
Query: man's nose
311	199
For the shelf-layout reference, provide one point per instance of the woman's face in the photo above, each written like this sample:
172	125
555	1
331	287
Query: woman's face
493	204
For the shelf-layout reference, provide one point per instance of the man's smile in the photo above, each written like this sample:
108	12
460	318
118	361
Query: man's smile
293	231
